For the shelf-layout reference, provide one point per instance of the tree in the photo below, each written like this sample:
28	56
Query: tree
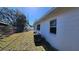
13	17
21	22
8	15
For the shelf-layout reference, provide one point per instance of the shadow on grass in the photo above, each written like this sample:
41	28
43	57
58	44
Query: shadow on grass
42	42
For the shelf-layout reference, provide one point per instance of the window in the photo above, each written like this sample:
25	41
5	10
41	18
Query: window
38	27
53	26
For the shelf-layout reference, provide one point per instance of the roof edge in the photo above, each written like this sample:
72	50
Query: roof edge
51	10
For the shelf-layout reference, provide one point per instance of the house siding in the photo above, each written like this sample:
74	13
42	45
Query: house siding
67	36
68	30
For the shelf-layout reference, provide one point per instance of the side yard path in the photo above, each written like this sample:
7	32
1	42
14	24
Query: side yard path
20	42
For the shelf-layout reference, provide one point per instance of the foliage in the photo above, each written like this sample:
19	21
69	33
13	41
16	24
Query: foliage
20	23
9	15
12	17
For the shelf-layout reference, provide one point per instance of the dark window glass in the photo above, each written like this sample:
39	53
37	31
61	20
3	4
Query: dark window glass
53	26
38	27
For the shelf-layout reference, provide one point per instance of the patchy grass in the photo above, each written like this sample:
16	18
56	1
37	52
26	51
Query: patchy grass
20	42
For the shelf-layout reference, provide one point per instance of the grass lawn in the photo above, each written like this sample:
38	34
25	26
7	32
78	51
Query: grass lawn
20	42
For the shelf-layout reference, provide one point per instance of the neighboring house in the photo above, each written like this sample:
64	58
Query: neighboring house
2	26
6	29
60	27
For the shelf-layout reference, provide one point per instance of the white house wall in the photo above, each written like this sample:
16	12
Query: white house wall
45	31
67	37
68	30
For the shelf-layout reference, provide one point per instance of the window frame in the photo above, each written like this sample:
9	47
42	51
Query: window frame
38	27
53	27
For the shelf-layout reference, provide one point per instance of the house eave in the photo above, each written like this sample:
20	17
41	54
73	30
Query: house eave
3	24
41	19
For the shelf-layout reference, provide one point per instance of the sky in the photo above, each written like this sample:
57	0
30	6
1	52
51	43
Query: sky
34	13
